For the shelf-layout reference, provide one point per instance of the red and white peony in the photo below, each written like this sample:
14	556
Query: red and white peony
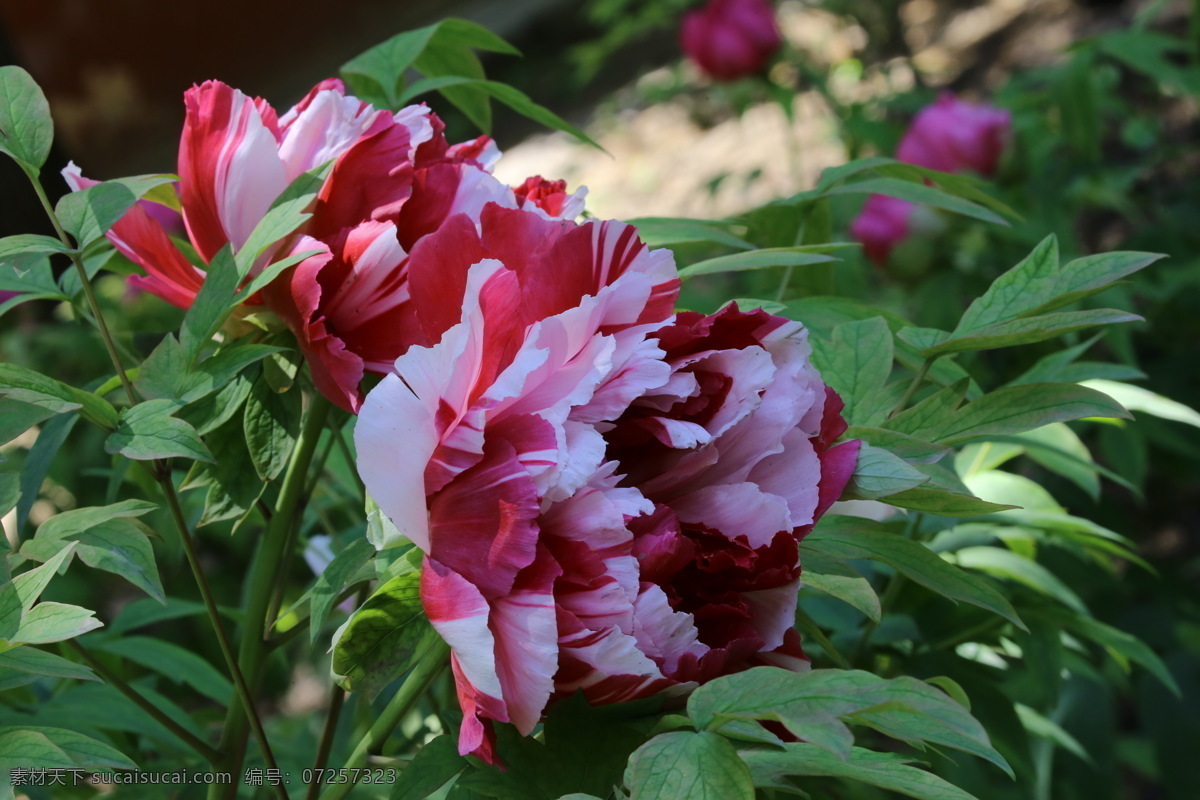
394	178
608	499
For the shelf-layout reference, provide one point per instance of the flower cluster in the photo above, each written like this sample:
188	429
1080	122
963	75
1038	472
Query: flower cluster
609	497
731	39
950	136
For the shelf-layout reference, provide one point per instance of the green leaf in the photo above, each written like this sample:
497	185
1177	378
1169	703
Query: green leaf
54	622
37	462
664	231
271	423
19	744
212	411
280	221
836	579
26	130
879	473
120	546
757	259
943	502
384	637
1011	489
1057	448
146	611
31	276
330	583
856	363
923	194
431	768
927	418
62	526
910	448
89	213
32	583
38	662
1122	646
148	431
230	495
25	243
104	537
1007	564
212	304
1038	284
386	63
1051	731
32	388
166	373
464	33
17	417
698	766
847	538
1135	398
1011	409
816	705
831	176
582	749
173	662
10	490
521	103
271	272
772	768
10	607
1028	330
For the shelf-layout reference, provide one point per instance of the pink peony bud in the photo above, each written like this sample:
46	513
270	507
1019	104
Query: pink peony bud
881	225
953	136
730	39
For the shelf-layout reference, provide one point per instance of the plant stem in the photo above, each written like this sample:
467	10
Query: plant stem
337	696
210	754
162	474
426	669
912	387
239	681
88	292
264	571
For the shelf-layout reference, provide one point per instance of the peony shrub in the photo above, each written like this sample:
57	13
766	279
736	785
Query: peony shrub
580	527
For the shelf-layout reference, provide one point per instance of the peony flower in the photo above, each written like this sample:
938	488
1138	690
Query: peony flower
953	136
881	225
730	39
394	179
949	136
605	504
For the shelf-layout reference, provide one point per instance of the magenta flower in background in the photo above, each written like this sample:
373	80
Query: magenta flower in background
731	39
955	136
881	225
949	136
605	504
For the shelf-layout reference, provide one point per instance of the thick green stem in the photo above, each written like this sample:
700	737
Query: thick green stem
204	749
264	571
239	681
406	697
